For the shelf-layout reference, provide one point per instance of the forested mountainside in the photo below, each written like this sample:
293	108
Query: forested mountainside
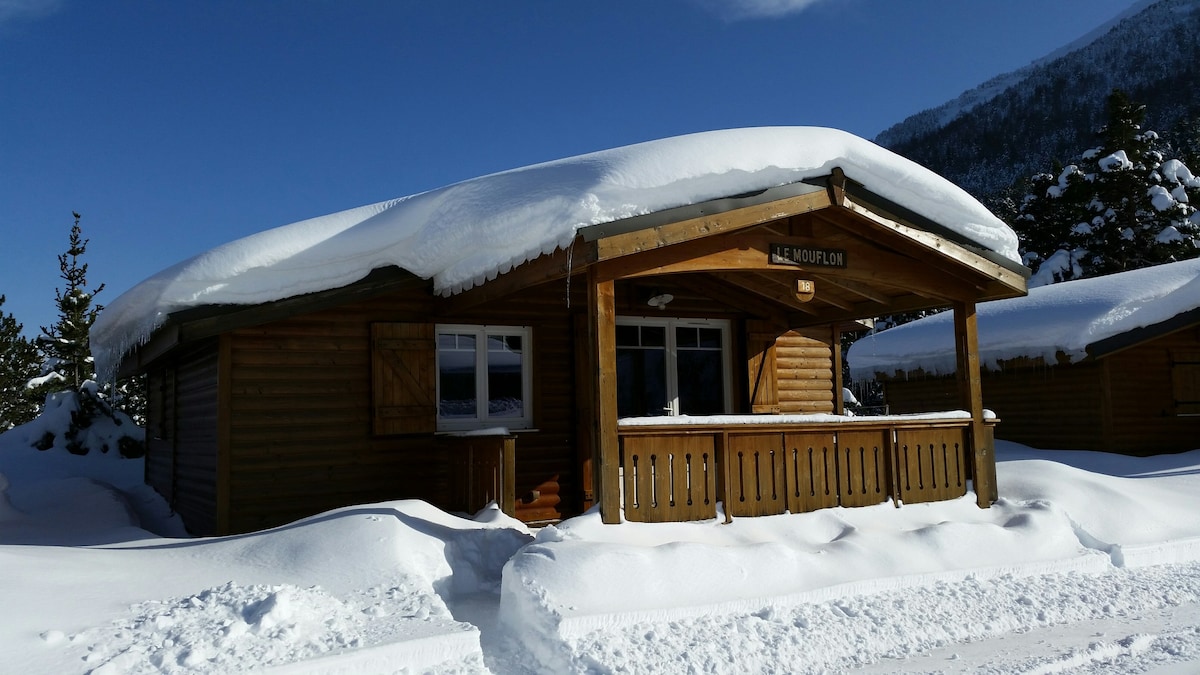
1020	123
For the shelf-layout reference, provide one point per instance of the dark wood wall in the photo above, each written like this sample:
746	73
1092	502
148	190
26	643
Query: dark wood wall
301	438
182	433
296	402
1120	403
1144	416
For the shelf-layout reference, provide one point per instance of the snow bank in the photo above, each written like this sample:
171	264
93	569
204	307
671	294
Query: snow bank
400	586
466	233
753	593
1064	317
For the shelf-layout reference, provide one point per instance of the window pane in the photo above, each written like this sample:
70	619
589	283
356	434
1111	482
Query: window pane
504	381
685	337
641	382
654	336
456	376
701	386
627	336
709	338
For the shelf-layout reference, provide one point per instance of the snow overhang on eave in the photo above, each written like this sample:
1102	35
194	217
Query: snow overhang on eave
197	323
1132	338
901	214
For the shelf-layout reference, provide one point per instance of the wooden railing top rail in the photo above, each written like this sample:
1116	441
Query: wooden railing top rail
784	423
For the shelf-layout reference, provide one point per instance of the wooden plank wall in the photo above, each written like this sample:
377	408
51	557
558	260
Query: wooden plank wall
301	441
1143	416
1052	407
1121	403
181	460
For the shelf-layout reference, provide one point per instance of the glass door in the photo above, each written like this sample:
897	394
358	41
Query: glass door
672	367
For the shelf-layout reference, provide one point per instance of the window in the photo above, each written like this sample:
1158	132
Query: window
672	367
483	377
1185	381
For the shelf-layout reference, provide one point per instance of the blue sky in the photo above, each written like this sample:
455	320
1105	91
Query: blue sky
176	126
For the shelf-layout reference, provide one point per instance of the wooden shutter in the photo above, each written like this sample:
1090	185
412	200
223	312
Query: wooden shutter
403	378
760	362
1185	380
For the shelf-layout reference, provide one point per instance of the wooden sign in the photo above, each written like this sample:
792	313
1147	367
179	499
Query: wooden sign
807	256
805	290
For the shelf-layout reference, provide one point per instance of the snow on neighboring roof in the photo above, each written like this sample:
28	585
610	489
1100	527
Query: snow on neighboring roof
466	233
1064	317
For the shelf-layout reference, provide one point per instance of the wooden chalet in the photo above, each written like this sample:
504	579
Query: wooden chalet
727	311
1136	391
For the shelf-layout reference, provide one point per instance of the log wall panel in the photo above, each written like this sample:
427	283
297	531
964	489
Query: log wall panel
1051	407
1144	418
804	372
1128	393
181	464
301	438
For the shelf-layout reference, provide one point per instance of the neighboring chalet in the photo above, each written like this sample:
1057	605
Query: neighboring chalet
653	328
1110	363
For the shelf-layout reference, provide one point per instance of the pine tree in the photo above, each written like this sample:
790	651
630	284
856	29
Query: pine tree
1120	206
65	343
68	366
18	363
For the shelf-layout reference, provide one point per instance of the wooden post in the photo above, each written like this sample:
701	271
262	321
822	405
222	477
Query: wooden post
982	455
602	349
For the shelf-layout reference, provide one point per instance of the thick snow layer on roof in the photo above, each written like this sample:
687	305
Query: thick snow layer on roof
463	234
1065	317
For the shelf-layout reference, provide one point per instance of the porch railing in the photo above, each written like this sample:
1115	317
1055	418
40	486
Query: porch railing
679	472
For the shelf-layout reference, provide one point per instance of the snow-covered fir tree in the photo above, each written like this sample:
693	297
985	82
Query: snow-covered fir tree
1119	206
86	419
68	356
18	363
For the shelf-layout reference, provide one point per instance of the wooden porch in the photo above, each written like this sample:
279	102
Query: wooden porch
758	467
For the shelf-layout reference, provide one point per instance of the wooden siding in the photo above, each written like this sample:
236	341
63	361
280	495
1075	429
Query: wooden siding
1123	402
301	438
804	372
181	457
301	401
1044	406
1145	418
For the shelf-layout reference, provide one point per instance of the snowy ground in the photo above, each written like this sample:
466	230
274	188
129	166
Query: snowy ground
1090	563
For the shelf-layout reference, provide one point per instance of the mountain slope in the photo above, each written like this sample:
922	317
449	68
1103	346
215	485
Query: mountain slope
1019	123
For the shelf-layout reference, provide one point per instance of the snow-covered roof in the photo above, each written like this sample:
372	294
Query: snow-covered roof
464	234
1066	317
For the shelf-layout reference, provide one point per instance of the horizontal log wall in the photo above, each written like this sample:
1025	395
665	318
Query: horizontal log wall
1122	402
1054	407
300	427
181	458
1144	419
804	372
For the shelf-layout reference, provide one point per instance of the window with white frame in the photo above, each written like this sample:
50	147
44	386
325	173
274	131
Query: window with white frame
483	377
672	366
